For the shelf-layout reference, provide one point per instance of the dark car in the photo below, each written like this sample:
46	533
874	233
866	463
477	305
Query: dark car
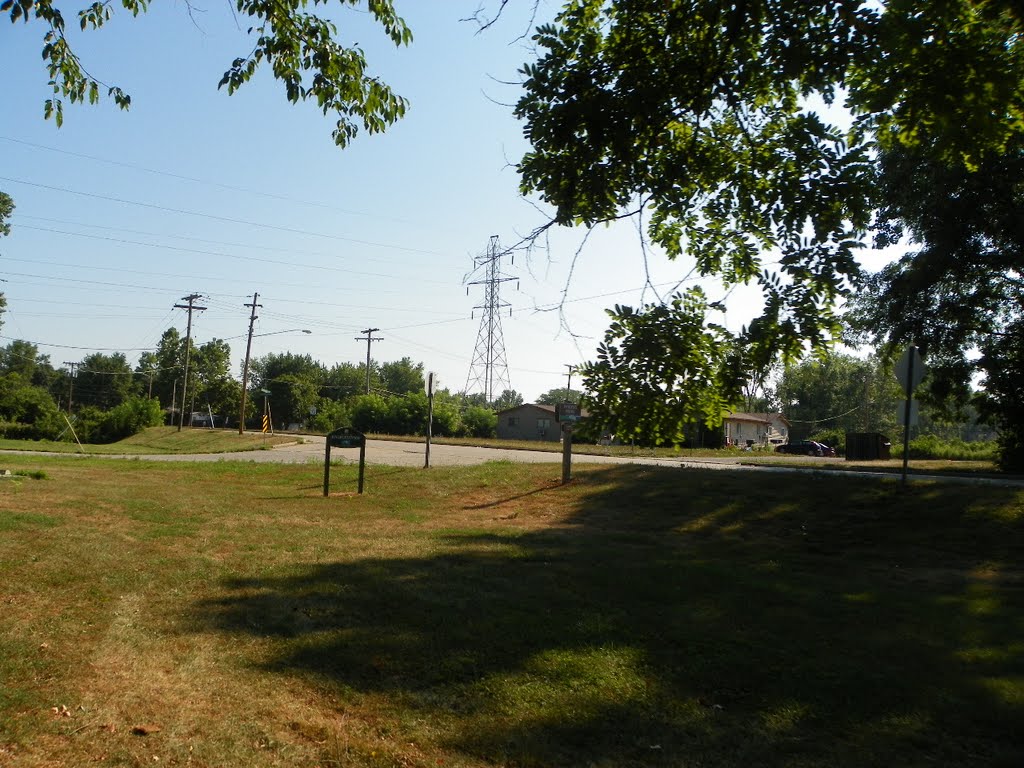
806	448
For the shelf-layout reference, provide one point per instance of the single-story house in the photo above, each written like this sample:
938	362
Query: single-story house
756	429
530	421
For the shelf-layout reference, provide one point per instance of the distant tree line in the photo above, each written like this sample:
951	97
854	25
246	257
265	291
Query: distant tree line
105	398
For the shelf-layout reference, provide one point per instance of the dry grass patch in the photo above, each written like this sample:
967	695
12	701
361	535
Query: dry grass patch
228	615
160	440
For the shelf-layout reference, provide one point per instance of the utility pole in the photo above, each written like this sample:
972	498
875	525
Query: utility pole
71	382
568	386
369	339
191	298
245	366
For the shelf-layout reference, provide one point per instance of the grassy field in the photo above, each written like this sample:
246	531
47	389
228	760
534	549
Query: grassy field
158	440
228	615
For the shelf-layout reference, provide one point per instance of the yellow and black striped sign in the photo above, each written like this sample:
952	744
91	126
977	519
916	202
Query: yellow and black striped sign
266	423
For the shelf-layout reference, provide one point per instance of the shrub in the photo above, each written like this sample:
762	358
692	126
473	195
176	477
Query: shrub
330	415
130	417
369	413
478	421
955	449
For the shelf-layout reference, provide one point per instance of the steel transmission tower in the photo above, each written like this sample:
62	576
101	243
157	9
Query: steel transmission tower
488	373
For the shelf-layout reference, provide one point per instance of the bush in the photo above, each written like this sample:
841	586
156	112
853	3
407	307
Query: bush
369	413
932	447
330	415
130	417
478	421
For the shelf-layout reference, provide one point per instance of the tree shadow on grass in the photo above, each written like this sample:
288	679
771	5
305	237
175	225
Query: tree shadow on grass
681	618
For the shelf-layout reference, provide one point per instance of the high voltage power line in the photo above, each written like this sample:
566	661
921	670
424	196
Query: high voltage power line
208	182
215	217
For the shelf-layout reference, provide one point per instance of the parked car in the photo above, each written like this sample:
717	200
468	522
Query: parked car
806	448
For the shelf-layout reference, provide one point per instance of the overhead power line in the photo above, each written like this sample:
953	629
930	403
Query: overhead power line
215	217
208	182
162	246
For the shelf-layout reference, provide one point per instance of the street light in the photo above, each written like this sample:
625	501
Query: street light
245	369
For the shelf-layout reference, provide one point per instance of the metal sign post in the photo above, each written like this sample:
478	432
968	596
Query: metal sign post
910	370
346	437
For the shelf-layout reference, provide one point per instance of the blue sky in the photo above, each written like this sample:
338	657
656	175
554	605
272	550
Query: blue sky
120	214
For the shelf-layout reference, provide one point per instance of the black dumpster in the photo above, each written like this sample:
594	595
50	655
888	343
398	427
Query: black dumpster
867	446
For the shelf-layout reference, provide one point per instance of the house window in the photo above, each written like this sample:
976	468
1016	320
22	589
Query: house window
543	423
513	421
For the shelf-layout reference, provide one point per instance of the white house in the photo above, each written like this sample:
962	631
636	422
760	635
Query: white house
756	429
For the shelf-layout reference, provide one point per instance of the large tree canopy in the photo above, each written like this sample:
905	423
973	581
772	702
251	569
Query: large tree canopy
704	117
300	47
661	369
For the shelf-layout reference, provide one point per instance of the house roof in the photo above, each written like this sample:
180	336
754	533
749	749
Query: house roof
760	418
540	407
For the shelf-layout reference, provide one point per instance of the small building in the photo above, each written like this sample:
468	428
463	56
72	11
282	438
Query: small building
529	421
756	429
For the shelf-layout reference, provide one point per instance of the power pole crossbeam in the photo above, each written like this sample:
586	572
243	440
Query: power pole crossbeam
191	307
369	339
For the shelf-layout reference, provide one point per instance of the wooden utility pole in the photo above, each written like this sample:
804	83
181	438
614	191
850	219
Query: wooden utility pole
191	298
245	366
568	386
71	382
369	340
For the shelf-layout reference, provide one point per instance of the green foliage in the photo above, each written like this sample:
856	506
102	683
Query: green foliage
509	398
401	377
406	415
478	421
660	368
345	380
840	392
369	413
330	415
104	381
27	411
447	419
129	418
835	437
6	209
300	48
560	395
23	358
702	116
932	447
210	378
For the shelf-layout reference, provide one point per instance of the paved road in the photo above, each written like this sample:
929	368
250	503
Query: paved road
396	453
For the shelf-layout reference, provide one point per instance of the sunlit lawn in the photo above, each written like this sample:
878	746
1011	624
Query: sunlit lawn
487	616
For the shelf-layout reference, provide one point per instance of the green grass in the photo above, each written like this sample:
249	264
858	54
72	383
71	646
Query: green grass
488	616
159	440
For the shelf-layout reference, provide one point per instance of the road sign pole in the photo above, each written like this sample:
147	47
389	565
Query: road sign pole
327	468
362	462
430	417
906	416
